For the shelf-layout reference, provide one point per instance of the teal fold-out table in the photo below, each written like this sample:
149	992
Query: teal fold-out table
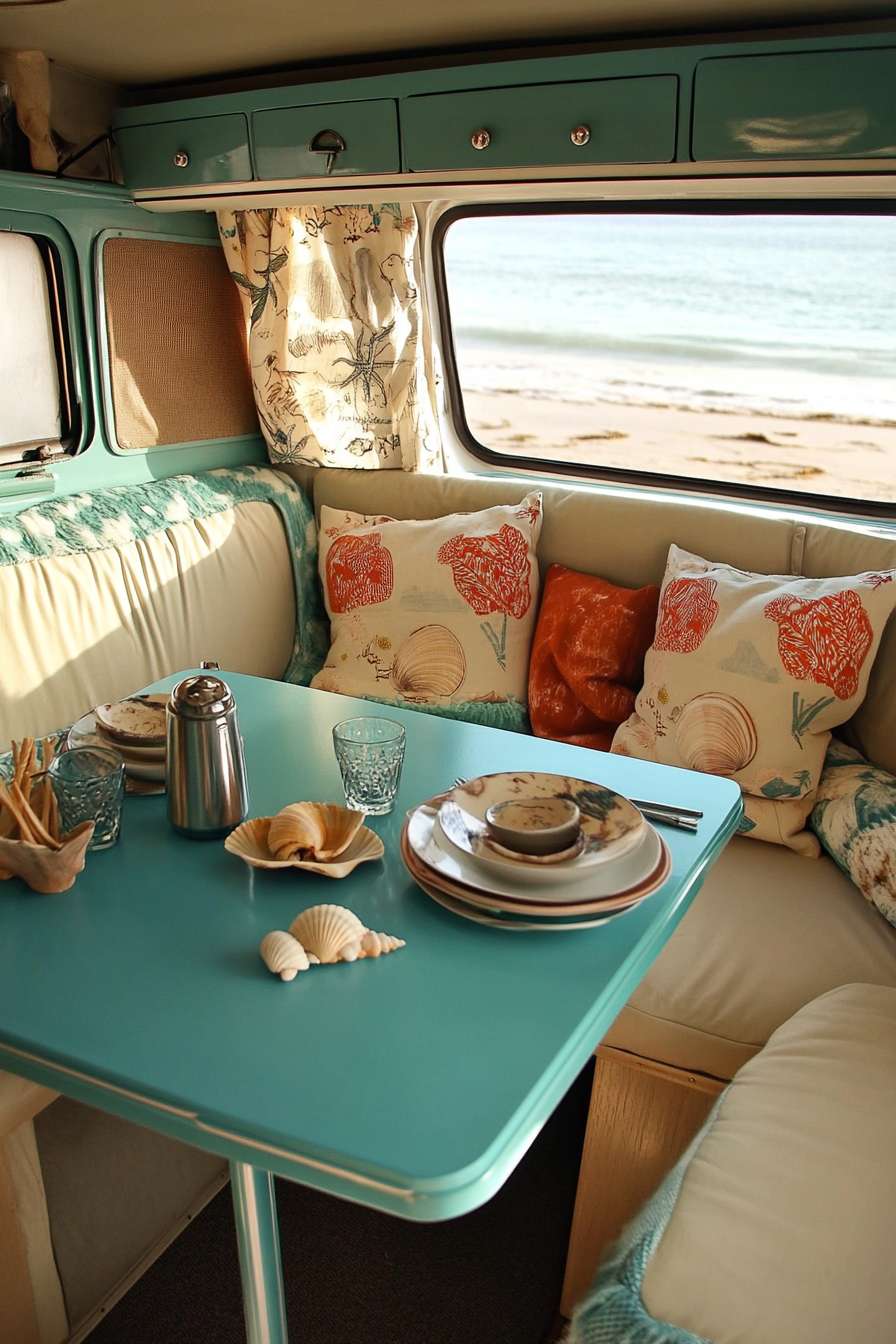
412	1083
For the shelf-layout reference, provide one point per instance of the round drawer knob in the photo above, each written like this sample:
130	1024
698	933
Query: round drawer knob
181	159
480	139
580	135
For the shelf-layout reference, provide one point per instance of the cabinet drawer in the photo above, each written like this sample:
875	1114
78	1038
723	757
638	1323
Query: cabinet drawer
283	137
811	105
186	153
626	121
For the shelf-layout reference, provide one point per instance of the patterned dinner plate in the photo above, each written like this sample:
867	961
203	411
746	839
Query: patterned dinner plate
428	863
612	827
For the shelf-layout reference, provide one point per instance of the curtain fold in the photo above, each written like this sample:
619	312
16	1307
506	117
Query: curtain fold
332	310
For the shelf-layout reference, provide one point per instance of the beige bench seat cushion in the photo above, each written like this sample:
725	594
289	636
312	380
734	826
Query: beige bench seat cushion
769	931
783	1228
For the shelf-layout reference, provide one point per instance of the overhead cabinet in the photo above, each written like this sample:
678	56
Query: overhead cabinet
186	153
587	121
329	139
812	105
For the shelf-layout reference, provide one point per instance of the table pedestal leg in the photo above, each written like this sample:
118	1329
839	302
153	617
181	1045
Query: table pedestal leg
259	1244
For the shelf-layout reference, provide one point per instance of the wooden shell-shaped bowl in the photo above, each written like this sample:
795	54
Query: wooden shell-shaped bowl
43	869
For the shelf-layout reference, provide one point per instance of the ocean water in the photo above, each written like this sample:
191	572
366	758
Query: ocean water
785	315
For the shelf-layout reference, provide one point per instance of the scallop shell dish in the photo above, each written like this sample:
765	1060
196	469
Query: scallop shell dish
320	837
323	935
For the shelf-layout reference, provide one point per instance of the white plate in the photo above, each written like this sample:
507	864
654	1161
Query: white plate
631	869
529	907
84	734
612	827
513	923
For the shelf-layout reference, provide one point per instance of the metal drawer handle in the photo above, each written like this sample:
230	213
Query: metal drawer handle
481	139
580	135
330	143
181	159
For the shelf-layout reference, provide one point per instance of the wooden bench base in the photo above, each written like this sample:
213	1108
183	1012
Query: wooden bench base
641	1118
32	1309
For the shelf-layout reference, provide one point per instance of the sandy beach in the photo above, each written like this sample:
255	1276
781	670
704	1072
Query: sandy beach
818	455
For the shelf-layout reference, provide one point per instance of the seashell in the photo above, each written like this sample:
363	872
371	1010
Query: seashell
429	662
326	930
44	869
249	842
284	955
377	944
715	734
313	831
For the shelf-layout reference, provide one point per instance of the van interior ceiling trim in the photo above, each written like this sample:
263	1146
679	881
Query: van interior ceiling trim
729	180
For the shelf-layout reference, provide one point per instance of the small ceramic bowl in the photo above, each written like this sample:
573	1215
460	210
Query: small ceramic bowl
534	825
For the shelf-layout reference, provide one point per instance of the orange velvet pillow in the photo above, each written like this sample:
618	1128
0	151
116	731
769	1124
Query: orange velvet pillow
587	661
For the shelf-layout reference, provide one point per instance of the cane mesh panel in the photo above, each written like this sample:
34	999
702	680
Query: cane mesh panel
177	347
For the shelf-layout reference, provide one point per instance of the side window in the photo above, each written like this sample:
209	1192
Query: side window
36	407
743	350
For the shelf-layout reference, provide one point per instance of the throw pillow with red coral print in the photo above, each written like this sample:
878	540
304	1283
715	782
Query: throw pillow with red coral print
431	612
747	675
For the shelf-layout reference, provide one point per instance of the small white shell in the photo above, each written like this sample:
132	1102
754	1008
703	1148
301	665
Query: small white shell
326	929
284	955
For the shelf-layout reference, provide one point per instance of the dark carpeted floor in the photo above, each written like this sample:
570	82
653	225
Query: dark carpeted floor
355	1276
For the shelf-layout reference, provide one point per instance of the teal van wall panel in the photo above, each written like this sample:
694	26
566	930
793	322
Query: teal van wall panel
807	105
281	139
74	215
186	153
629	121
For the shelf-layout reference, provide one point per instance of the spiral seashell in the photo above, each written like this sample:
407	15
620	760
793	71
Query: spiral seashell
326	930
284	955
715	734
429	662
313	831
378	944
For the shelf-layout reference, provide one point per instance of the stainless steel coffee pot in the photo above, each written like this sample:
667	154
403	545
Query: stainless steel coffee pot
205	768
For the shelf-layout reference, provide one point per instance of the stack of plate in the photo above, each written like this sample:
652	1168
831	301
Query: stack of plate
135	728
447	850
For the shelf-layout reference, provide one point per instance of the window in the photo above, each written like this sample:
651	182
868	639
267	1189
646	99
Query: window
36	406
748	348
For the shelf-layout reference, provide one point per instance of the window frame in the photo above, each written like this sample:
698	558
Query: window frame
67	329
704	488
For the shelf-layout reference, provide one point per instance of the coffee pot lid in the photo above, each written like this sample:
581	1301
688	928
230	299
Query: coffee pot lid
201	697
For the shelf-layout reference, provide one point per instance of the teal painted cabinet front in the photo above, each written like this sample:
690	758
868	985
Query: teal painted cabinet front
186	153
304	141
811	105
588	121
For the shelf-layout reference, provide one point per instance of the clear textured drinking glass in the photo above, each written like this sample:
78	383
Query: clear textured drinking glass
89	786
370	753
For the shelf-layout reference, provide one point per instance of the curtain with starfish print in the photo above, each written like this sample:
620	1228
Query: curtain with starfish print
332	315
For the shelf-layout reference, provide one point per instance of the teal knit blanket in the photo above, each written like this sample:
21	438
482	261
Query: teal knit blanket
120	514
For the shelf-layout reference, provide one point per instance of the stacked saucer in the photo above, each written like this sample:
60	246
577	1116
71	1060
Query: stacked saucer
135	728
450	850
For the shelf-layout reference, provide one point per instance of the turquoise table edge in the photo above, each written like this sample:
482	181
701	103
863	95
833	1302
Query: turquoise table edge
460	1190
